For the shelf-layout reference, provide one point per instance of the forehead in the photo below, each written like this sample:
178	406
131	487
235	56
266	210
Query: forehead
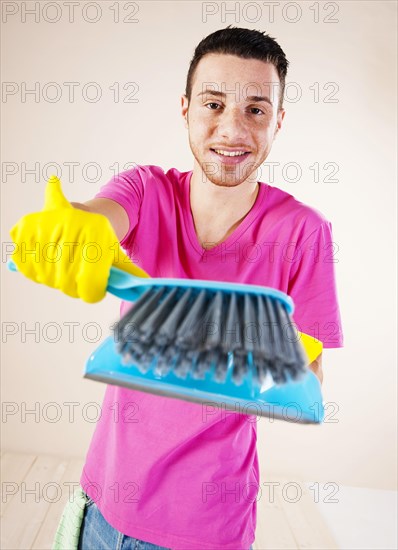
228	72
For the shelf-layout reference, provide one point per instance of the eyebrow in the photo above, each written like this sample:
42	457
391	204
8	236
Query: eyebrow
253	98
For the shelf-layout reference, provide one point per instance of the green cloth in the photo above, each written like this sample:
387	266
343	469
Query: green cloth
68	531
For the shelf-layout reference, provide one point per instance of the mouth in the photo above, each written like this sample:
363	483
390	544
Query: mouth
230	156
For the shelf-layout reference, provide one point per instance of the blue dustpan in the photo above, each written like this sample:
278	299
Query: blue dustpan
295	401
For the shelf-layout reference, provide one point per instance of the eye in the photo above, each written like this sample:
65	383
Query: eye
212	103
260	112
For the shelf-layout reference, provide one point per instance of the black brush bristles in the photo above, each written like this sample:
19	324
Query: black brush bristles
193	331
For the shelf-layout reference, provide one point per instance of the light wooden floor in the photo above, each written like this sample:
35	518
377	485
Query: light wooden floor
35	490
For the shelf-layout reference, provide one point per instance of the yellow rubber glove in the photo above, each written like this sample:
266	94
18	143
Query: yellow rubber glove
312	346
67	248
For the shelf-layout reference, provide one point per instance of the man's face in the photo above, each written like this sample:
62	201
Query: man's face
226	114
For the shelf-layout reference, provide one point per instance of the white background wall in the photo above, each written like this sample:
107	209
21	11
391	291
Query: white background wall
357	444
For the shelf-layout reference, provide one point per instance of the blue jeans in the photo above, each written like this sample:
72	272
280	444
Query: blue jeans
96	533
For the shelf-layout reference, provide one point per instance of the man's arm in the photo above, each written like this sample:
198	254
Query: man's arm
115	213
316	367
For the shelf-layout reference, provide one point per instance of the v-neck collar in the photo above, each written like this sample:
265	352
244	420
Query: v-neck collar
238	231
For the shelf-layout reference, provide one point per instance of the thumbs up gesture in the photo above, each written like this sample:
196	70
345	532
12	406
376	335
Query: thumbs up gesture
67	248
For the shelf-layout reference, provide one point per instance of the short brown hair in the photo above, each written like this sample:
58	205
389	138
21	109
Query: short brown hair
245	43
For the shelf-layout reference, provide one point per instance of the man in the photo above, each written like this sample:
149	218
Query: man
173	478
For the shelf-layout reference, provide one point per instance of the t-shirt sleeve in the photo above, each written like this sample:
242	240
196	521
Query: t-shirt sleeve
312	286
127	189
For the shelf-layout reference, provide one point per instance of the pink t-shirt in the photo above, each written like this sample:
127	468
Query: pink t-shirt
171	472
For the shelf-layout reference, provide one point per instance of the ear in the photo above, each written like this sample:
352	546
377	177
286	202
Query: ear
184	109
279	118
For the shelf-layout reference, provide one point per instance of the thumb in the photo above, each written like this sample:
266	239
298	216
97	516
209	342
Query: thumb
54	197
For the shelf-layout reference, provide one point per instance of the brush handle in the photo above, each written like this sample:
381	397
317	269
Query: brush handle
130	287
120	283
11	266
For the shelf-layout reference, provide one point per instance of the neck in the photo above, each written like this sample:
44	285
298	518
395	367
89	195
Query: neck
223	201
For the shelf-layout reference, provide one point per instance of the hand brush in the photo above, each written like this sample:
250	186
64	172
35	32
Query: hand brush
225	344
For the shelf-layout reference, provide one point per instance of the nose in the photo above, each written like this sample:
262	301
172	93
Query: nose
232	126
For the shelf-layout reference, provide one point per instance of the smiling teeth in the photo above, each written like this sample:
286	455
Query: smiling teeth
230	153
